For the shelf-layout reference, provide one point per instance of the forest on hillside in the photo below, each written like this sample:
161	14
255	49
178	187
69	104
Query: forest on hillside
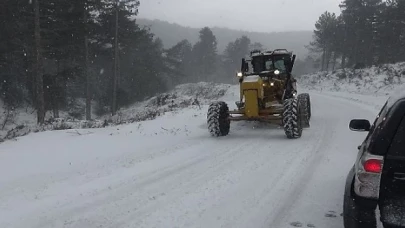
366	33
93	55
171	33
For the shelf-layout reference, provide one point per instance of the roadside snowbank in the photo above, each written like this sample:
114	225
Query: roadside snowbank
376	81
185	95
371	86
22	121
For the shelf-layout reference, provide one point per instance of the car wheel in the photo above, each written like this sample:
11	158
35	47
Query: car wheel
358	215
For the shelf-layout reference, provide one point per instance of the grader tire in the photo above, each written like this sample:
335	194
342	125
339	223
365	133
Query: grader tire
218	119
307	98
292	119
305	106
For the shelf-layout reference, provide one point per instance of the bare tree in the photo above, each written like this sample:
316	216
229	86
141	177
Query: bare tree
115	79
86	64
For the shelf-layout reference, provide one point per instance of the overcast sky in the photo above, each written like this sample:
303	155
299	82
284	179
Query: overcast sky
251	15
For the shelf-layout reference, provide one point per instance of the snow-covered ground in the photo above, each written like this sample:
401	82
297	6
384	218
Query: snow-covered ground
168	172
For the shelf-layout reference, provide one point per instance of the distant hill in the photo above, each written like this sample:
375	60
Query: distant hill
171	33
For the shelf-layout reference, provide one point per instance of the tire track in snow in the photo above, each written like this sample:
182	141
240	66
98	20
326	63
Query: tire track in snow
192	190
253	178
272	198
227	157
138	192
331	129
308	168
89	184
241	196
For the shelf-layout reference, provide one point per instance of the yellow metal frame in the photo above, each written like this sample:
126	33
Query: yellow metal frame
252	90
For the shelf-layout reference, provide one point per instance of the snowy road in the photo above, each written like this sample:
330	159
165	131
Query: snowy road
169	173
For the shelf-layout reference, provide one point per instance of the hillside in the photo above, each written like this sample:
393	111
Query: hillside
172	33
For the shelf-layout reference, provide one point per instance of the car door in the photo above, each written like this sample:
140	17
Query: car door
392	188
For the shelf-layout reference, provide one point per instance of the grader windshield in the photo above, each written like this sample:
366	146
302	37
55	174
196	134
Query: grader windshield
262	63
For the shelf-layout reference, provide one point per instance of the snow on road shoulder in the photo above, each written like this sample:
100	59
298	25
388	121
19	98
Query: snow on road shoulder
86	143
43	169
369	102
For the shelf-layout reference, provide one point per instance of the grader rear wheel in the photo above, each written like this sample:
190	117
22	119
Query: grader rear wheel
292	119
305	106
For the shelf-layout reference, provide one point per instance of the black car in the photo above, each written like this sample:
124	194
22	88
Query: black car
377	179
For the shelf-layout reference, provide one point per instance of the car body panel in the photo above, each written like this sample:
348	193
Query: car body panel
392	197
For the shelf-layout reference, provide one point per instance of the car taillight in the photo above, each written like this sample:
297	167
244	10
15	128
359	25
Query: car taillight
368	176
373	166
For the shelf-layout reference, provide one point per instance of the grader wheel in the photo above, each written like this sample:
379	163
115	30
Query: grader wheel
292	119
305	106
218	119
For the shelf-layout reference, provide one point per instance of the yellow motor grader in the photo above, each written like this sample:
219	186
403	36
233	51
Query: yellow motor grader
268	93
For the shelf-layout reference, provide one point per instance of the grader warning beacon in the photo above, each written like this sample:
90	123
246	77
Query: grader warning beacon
267	94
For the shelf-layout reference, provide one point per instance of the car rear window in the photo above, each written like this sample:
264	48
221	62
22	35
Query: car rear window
377	125
385	129
398	143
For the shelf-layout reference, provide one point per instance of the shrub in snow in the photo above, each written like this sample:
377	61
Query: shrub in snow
18	131
203	90
53	125
341	75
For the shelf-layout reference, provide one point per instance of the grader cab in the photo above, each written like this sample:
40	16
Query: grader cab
268	93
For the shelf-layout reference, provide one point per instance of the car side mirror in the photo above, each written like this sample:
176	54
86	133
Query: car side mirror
360	125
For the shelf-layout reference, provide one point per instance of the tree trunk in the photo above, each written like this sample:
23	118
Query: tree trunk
114	98
55	107
86	65
55	95
343	60
39	81
118	57
334	60
56	111
328	55
323	59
